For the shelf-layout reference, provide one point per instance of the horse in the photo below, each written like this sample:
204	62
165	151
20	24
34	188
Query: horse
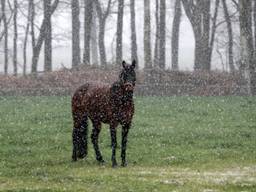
101	103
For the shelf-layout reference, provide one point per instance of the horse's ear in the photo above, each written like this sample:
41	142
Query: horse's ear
134	63
124	64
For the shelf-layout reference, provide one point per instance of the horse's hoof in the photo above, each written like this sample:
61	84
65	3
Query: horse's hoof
124	164
114	165
101	161
82	156
73	160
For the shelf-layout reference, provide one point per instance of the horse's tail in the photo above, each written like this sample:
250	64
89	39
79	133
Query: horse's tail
80	119
79	136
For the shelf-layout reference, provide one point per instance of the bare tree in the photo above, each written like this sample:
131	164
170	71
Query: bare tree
176	34
230	36
198	13
134	54
15	36
119	33
76	58
26	37
94	39
37	45
254	17
213	30
247	47
48	36
88	11
156	49
102	15
162	33
147	35
33	38
3	6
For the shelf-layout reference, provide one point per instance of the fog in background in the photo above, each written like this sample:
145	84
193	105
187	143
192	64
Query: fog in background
61	26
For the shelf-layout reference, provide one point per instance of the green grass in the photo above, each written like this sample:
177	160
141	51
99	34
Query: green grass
175	144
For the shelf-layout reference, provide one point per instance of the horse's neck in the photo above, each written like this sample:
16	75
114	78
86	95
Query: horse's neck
119	95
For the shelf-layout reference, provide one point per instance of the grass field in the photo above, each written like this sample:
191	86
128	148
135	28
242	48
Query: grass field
175	144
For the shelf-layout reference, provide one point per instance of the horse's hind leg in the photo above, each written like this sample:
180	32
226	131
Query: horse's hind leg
94	137
80	132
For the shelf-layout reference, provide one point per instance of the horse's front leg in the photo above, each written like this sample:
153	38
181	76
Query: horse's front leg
94	137
125	130
113	143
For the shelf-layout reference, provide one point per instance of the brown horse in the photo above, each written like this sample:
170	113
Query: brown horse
110	104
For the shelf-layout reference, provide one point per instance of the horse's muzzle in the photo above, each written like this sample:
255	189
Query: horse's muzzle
128	87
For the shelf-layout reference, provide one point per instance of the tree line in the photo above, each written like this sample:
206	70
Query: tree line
216	25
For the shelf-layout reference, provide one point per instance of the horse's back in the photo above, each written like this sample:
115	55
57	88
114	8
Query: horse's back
88	95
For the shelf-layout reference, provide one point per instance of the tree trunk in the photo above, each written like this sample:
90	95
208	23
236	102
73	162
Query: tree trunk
26	38
214	28
247	47
156	51
48	37
175	35
134	48
25	46
3	3
76	59
94	41
88	11
32	23
33	39
102	49
198	13
15	37
254	16
230	36
37	45
147	35
119	33
102	22
162	40
202	58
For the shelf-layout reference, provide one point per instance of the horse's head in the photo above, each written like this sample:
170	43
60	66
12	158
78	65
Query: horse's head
128	76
